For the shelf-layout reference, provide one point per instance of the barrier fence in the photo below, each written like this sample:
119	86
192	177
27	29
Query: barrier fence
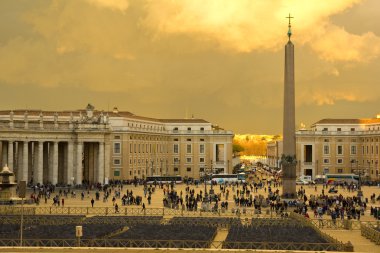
132	211
308	222
176	244
77	215
370	232
342	224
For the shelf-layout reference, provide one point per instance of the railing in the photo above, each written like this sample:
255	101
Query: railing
175	244
371	233
308	222
133	211
342	224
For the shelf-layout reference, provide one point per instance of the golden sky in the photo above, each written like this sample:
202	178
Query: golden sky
221	60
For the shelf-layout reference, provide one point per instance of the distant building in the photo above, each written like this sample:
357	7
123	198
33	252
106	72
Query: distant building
335	146
93	146
274	152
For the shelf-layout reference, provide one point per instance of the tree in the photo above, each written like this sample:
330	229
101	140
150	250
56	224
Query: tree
237	148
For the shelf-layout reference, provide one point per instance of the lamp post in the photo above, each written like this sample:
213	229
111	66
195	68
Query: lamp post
161	167
206	176
212	172
369	166
146	167
166	163
205	179
360	193
177	162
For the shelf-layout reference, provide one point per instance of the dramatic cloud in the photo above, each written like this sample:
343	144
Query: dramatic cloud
246	25
222	59
119	5
338	45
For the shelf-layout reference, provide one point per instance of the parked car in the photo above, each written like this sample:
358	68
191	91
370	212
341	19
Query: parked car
301	182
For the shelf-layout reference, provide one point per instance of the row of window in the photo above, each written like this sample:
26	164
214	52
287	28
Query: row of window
352	129
141	171
117	161
353	149
152	138
353	140
340	161
189	148
158	148
188	129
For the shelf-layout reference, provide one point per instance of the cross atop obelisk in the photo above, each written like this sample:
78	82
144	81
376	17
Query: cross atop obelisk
289	139
289	26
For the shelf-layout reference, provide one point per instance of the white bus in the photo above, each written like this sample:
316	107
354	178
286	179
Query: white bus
163	179
341	178
230	178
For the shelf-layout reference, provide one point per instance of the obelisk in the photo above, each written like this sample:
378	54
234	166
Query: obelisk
289	139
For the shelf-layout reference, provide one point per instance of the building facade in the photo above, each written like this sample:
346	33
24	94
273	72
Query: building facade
274	152
336	146
72	147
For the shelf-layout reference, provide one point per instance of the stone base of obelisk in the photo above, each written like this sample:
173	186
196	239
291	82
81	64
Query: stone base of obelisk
289	190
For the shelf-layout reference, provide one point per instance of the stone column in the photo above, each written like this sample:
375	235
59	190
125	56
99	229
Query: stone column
4	154
30	168
55	163
25	153
107	154
10	155
40	163
79	171
70	162
50	162
18	160
101	163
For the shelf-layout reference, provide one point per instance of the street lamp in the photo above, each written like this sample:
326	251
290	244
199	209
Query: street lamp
166	163
146	167
369	166
206	176
352	161
161	167
177	164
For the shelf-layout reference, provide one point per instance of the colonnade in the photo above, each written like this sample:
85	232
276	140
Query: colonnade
56	162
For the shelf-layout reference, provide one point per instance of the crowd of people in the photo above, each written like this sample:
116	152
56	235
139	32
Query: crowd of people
260	191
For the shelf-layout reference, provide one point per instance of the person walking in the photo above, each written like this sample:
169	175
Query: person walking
92	202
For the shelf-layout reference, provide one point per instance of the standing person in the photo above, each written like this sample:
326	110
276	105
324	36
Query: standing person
92	202
116	208
143	206
63	202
